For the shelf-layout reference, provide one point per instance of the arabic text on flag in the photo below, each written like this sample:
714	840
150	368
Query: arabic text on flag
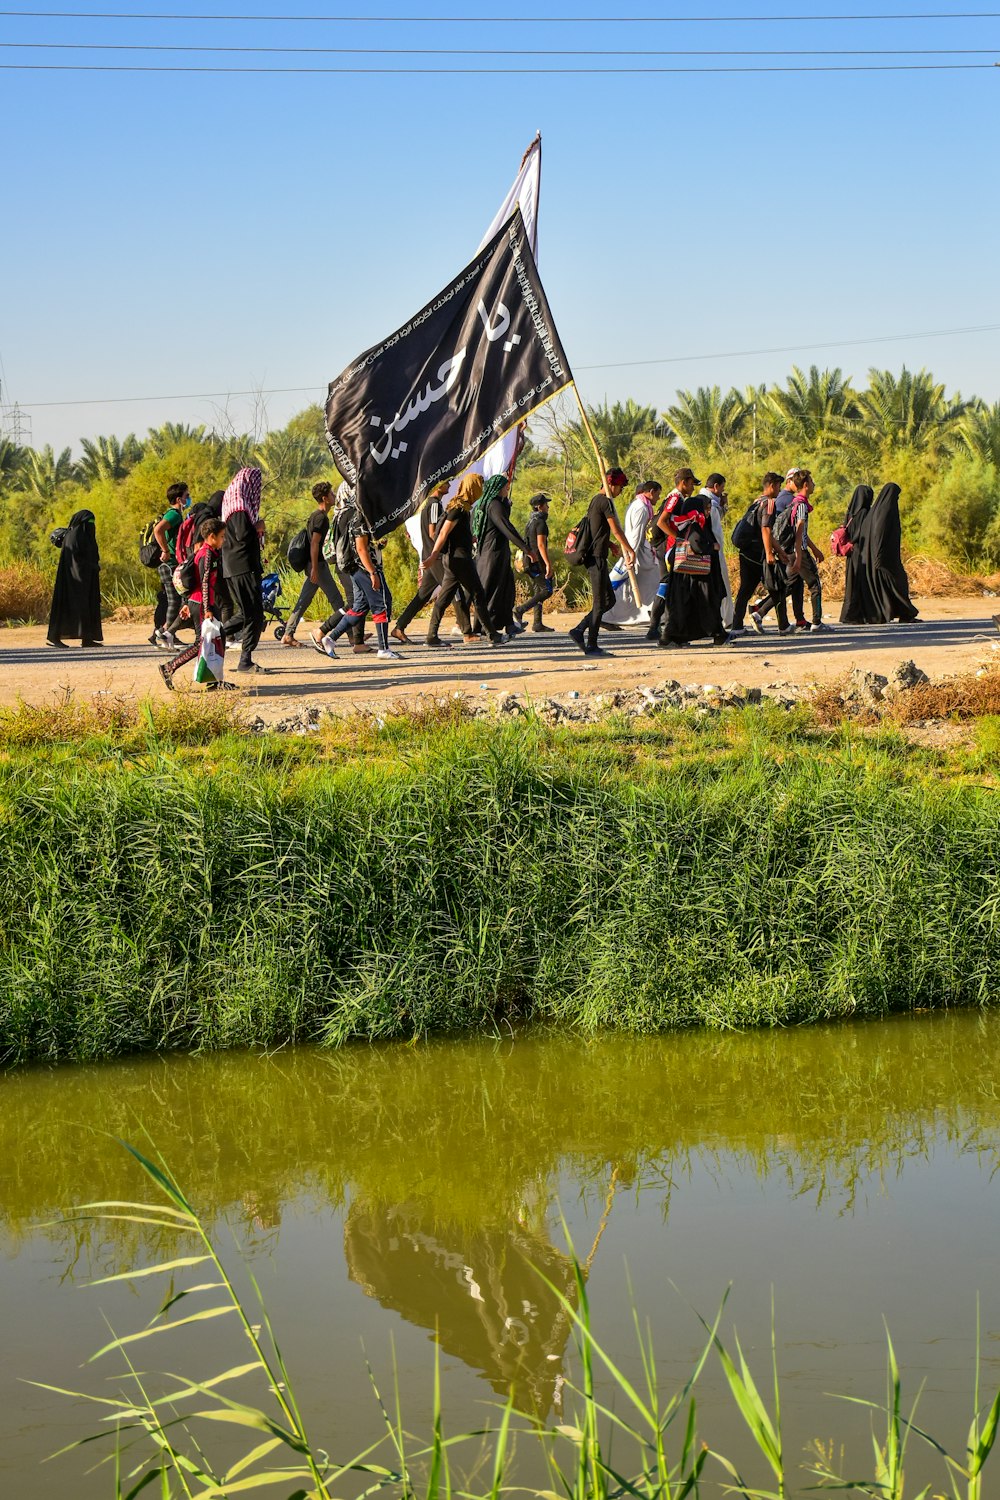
426	403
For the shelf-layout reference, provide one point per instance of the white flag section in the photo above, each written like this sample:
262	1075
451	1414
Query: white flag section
524	191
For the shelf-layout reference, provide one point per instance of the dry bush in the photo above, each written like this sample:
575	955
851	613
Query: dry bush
25	593
965	697
132	614
190	718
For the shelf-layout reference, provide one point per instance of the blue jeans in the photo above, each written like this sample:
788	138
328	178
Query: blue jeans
367	600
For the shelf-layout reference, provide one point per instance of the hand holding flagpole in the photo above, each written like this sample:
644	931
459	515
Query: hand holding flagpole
603	470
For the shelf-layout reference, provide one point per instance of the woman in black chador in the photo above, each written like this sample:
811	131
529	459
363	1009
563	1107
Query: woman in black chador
76	598
857	606
694	602
887	581
495	536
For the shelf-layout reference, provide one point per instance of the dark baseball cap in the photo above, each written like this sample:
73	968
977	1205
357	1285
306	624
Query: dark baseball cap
685	474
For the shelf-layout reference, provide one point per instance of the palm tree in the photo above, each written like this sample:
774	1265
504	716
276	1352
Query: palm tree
979	431
811	413
109	458
910	411
12	463
44	472
706	423
161	439
616	427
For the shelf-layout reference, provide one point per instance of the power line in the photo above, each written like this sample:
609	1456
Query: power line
676	359
123	15
887	338
502	51
497	72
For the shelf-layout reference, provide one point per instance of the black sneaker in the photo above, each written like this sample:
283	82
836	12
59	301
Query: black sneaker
576	636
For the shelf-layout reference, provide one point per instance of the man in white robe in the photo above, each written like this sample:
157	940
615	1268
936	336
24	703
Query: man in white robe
638	519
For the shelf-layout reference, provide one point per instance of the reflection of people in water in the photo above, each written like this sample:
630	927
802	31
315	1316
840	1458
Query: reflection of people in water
476	1288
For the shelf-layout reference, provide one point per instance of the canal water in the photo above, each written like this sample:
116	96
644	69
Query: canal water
387	1198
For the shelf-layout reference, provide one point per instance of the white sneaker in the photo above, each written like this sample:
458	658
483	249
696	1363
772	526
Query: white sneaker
171	642
756	623
327	644
388	655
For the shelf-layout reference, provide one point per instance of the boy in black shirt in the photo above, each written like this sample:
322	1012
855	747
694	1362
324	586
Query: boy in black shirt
317	575
603	523
536	534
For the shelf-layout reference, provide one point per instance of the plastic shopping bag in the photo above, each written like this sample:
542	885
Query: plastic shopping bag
209	663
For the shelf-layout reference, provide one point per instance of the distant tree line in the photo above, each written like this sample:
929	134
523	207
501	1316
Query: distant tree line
943	449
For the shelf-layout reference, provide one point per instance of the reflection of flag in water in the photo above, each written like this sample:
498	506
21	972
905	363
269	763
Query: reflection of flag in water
482	1291
523	194
427	402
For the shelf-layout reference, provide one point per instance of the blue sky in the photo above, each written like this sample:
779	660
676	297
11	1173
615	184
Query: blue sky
178	233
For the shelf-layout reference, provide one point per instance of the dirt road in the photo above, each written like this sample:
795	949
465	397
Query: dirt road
957	635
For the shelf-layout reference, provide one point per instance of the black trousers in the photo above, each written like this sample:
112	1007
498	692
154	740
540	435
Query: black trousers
751	577
541	589
460	573
432	579
603	598
807	578
244	593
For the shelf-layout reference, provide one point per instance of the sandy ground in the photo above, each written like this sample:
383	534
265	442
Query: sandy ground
956	635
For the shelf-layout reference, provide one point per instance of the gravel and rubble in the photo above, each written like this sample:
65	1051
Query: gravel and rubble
861	693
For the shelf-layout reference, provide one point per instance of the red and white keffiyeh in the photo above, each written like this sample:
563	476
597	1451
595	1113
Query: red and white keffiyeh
243	494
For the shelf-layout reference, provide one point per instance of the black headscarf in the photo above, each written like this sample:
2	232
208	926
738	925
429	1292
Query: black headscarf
857	510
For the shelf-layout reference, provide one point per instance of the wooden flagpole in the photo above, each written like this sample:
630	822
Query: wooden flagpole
602	469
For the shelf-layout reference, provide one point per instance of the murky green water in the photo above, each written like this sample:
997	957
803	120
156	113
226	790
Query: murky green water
380	1194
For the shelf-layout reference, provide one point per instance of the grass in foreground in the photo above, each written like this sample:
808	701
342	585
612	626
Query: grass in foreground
164	1430
171	886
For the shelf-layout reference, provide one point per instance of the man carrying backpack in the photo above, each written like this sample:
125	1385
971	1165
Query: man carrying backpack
358	554
165	531
317	570
602	524
748	539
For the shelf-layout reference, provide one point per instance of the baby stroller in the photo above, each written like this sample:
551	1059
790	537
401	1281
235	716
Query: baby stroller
270	593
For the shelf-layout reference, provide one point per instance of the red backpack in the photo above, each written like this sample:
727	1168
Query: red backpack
186	540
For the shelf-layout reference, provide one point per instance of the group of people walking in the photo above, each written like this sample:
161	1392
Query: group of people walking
673	575
670	574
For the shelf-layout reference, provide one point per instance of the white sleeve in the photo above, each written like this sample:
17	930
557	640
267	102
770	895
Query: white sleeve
635	524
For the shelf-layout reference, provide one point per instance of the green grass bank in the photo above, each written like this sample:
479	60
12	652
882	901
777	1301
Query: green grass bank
182	884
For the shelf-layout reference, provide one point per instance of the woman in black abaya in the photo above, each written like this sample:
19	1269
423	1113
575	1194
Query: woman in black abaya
694	601
857	606
495	536
887	581
76	598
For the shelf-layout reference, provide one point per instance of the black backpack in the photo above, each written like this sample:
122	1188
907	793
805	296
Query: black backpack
298	551
746	532
578	543
187	572
784	528
149	547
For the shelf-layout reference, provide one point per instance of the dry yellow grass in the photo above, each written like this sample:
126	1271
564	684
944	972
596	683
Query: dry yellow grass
25	593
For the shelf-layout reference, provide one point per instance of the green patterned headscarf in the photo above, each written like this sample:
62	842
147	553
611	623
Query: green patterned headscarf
492	489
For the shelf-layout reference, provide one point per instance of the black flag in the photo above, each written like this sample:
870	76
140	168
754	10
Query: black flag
425	404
